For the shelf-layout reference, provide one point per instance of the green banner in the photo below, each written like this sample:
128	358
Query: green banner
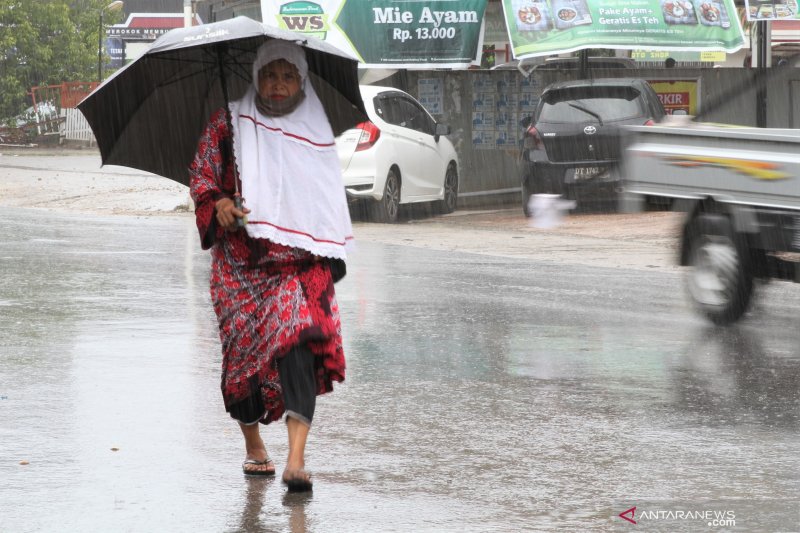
388	33
545	27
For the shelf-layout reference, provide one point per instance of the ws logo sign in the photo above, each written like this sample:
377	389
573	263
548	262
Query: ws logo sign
304	17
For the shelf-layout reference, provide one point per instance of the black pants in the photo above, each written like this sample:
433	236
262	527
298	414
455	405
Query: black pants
299	384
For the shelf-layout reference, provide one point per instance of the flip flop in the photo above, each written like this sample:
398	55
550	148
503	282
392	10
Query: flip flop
297	481
265	462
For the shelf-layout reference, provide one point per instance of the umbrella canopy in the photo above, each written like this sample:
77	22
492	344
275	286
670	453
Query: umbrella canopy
150	114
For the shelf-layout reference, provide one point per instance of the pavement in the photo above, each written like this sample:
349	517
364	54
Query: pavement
73	180
596	391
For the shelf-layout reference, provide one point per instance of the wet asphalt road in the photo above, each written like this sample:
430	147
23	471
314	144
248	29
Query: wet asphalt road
483	394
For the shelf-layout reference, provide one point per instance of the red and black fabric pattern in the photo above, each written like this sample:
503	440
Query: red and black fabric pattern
267	297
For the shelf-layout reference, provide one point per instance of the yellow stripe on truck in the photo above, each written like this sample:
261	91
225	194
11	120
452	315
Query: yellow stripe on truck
755	169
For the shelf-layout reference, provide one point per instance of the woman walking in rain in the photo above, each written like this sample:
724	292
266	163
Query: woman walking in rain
272	280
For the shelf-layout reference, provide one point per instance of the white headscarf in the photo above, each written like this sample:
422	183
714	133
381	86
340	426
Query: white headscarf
279	49
289	166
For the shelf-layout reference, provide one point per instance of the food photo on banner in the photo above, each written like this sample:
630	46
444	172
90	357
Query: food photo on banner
387	33
772	9
543	27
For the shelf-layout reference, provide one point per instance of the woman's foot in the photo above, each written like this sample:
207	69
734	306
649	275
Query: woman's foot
295	475
297	480
256	467
257	461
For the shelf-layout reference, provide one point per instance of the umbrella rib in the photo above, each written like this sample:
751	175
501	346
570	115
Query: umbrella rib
235	67
204	67
174	80
181	60
240	71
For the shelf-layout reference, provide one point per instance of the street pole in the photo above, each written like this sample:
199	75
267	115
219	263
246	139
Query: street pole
100	49
763	49
113	6
187	13
583	64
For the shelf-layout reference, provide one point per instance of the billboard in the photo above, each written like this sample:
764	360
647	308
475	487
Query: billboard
544	27
388	33
772	10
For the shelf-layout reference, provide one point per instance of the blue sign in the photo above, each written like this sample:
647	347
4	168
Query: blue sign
115	48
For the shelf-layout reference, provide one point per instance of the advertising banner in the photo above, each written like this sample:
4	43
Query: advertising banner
544	27
388	33
772	9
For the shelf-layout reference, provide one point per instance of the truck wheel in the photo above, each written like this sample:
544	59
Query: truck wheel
720	281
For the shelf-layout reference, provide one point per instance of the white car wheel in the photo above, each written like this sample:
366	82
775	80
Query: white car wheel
450	199
388	207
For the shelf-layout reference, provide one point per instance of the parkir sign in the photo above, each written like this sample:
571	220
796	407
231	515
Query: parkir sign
679	97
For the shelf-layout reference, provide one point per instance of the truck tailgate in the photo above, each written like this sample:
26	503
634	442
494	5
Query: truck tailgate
754	166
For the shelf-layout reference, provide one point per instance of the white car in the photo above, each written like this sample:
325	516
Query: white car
400	156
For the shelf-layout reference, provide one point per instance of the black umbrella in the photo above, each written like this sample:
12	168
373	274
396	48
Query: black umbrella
150	114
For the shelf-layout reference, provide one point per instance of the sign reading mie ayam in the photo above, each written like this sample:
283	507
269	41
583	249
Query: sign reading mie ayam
543	27
388	33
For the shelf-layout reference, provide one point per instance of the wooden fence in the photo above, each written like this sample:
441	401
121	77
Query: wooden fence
75	127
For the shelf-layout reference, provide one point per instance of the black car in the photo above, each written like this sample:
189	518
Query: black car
572	143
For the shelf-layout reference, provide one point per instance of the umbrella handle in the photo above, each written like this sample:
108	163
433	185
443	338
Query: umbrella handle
237	203
237	198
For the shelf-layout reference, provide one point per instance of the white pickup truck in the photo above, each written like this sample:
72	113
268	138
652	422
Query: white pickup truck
740	190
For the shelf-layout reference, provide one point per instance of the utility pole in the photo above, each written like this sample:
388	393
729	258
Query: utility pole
187	13
583	64
113	6
763	59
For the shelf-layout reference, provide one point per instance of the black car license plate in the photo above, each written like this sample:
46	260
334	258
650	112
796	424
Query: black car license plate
585	173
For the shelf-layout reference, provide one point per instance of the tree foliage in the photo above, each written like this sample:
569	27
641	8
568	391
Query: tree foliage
46	42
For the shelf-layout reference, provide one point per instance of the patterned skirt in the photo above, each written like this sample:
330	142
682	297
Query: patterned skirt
263	311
